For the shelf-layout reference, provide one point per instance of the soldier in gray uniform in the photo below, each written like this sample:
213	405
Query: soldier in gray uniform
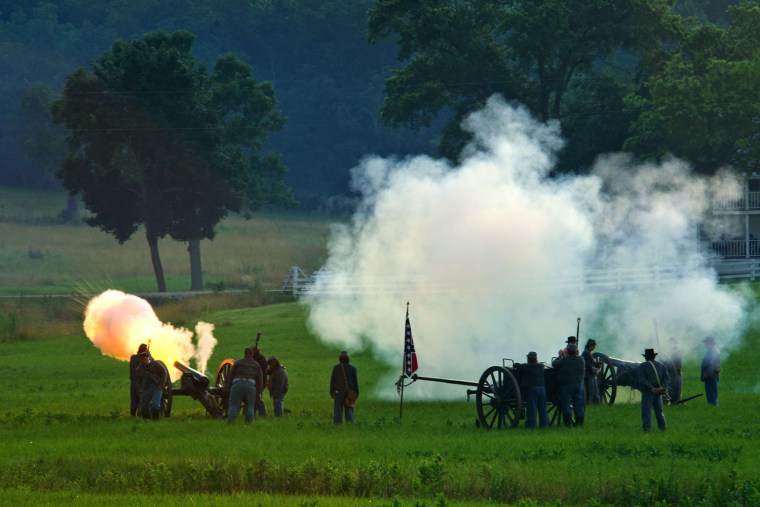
245	383
654	381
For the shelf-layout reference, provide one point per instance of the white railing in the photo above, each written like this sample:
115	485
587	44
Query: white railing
734	248
737	202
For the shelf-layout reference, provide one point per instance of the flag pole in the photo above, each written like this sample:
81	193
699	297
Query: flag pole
401	379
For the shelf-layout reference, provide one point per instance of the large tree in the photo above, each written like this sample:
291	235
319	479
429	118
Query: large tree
155	140
456	53
705	106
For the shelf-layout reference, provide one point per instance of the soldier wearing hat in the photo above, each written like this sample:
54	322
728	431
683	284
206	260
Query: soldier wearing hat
570	339
259	357
134	379
710	370
570	369
654	381
154	378
342	380
532	380
590	377
673	360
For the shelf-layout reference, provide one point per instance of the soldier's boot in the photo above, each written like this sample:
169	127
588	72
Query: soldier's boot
568	420
155	413
579	421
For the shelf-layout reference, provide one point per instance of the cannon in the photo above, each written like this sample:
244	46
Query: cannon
499	399
618	372
198	386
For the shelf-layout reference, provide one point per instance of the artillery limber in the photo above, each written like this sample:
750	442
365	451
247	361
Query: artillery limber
499	399
195	384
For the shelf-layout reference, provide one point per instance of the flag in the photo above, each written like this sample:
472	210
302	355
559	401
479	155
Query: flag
410	356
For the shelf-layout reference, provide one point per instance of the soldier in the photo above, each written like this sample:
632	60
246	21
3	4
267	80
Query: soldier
277	384
654	380
710	370
570	369
245	383
591	387
570	339
342	380
674	364
532	379
134	380
154	378
261	408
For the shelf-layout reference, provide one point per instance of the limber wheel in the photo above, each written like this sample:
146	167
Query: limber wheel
553	404
498	399
221	378
607	379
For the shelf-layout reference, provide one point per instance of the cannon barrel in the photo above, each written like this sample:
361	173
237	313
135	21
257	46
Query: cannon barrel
200	380
196	385
626	372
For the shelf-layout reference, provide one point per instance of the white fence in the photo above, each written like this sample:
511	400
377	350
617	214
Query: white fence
613	279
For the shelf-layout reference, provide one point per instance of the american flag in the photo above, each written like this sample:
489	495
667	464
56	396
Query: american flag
410	356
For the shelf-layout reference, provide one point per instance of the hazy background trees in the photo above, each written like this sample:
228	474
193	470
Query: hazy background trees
623	74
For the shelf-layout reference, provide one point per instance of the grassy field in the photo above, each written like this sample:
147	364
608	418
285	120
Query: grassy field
40	255
66	436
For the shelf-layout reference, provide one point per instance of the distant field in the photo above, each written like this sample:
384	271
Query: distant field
40	255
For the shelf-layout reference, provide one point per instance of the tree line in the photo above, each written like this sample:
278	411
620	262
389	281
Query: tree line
149	136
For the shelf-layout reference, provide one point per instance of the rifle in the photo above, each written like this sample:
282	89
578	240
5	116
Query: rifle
684	400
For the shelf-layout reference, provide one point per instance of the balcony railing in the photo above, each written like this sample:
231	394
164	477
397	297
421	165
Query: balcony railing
735	248
737	202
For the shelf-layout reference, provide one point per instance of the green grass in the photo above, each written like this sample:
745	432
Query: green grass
65	432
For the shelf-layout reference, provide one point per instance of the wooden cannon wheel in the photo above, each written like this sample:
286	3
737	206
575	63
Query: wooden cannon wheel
221	377
166	400
498	399
607	379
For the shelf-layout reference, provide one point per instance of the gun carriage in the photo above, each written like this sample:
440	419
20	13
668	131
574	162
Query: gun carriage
195	384
499	399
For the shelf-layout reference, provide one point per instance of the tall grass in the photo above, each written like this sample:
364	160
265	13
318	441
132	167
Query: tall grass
40	255
65	428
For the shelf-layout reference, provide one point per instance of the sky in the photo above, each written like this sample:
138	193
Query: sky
496	259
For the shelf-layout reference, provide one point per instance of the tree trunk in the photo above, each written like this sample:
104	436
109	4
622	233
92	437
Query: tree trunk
71	213
156	260
196	273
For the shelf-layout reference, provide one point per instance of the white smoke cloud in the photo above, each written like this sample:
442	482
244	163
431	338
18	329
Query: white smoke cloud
205	345
491	254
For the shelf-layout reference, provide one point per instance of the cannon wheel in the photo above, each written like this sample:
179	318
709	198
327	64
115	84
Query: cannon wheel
607	379
221	376
554	411
498	399
166	401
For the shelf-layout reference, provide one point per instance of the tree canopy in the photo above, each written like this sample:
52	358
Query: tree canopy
458	53
704	106
156	140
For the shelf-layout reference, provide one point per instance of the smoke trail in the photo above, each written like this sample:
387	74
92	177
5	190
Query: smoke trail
206	344
117	323
491	254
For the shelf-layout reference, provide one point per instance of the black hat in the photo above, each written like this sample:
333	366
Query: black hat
572	339
709	341
649	353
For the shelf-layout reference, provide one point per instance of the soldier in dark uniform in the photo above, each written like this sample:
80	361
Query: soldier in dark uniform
277	385
532	379
134	380
245	383
261	408
570	369
674	362
154	378
343	379
654	381
591	384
